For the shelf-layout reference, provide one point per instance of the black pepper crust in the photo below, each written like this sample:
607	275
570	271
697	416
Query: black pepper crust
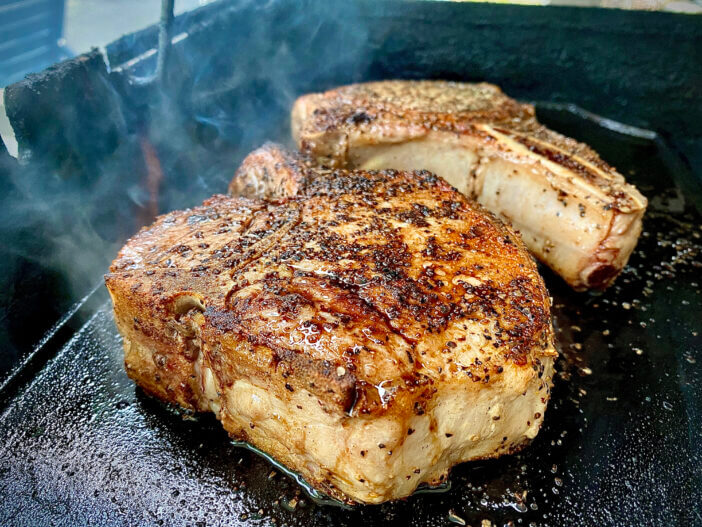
360	278
328	125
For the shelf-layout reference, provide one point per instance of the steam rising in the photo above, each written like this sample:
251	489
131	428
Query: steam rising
101	152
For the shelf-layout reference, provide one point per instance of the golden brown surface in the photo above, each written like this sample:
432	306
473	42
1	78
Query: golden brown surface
271	172
576	213
369	333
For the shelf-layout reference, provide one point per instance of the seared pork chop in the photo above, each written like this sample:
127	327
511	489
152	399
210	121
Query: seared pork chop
574	211
369	333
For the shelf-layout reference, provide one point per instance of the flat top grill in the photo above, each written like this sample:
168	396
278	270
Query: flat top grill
621	444
102	152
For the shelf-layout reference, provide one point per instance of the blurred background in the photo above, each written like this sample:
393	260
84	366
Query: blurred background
35	34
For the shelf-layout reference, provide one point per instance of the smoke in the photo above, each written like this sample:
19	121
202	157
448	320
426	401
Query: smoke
101	151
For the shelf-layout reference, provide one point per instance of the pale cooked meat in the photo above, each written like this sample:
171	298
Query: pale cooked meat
369	333
574	211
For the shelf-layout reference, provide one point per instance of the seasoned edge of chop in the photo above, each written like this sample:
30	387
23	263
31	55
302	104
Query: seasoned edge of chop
575	212
369	333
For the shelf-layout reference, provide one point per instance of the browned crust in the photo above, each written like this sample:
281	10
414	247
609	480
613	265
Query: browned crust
360	280
244	258
148	318
268	172
326	124
427	104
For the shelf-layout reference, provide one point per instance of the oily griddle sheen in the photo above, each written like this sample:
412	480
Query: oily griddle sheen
575	212
368	333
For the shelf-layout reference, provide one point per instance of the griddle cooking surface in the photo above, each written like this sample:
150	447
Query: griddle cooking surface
621	444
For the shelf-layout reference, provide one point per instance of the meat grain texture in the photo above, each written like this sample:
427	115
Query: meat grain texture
369	333
575	212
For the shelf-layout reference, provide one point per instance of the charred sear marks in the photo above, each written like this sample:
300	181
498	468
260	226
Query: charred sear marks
361	289
420	104
589	167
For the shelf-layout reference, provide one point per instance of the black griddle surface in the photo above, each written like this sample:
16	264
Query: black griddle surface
621	444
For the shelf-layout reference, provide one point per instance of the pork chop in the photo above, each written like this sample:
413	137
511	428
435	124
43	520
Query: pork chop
368	333
575	212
